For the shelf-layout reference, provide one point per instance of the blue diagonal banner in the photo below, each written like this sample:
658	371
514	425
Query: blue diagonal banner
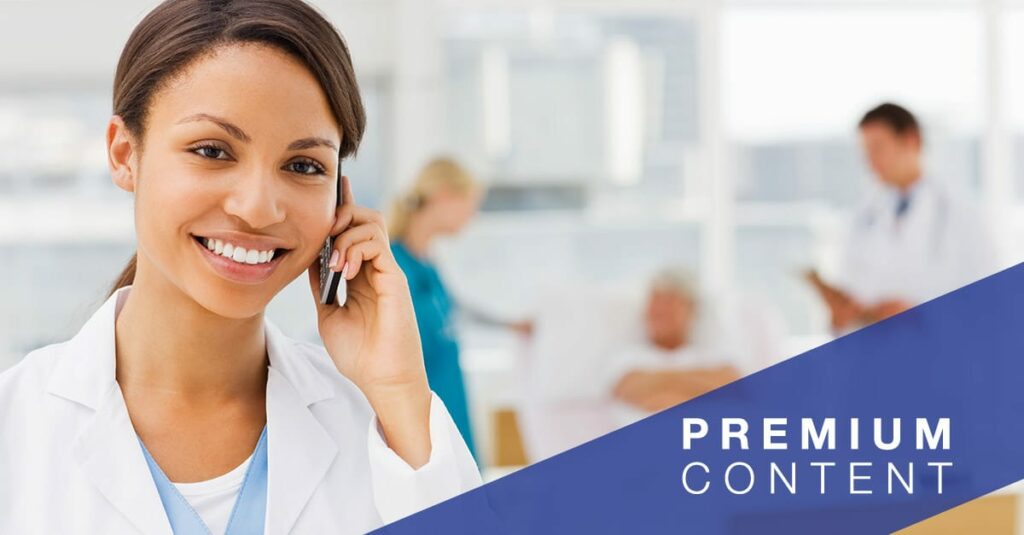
869	433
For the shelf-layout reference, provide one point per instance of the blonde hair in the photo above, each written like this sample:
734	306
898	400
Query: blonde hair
437	174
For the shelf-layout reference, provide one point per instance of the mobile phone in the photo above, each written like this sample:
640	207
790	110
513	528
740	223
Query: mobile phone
333	287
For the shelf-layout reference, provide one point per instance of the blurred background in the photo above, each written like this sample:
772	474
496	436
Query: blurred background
614	137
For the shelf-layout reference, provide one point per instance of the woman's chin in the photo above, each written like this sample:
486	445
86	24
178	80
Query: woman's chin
234	303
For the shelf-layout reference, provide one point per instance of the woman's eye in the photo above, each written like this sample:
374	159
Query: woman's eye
303	167
209	151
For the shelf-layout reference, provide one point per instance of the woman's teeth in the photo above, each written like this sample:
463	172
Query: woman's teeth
238	254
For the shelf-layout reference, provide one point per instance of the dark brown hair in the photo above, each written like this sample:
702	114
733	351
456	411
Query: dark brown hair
894	116
179	32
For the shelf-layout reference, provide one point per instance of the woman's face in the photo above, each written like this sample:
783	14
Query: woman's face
455	209
240	152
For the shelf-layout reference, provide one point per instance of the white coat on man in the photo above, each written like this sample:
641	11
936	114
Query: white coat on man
937	243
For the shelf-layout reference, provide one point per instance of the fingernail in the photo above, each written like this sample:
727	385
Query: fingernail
344	271
334	260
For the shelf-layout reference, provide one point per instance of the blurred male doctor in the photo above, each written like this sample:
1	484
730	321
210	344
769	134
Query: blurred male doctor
914	239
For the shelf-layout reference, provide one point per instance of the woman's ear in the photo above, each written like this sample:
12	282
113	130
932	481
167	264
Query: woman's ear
122	154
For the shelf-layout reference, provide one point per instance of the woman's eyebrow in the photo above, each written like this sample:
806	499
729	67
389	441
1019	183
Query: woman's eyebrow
228	127
238	133
310	142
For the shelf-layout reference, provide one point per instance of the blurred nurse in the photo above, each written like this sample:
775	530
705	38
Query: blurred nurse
441	201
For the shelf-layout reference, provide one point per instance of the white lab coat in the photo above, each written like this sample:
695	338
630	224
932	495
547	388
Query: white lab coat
70	462
940	244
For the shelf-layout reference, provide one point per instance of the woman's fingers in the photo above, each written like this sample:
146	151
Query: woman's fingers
352	214
361	243
361	236
343	213
367	251
353	235
346	191
376	252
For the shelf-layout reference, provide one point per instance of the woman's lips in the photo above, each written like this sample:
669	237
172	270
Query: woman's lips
240	272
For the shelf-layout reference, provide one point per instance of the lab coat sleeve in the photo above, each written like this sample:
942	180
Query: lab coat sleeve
399	490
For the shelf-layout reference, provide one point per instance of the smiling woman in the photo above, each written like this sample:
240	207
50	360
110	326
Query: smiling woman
230	122
250	179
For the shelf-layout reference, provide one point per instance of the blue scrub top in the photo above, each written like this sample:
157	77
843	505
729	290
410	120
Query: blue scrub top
434	311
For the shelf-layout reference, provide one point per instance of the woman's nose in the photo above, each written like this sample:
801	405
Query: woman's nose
256	200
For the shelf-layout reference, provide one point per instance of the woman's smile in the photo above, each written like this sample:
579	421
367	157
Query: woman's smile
240	259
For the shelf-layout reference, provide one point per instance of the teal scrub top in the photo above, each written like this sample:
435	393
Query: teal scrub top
434	316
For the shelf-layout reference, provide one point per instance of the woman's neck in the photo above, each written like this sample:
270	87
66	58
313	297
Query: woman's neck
168	342
419	235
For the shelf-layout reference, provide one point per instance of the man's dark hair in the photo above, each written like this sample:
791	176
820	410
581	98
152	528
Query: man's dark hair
894	116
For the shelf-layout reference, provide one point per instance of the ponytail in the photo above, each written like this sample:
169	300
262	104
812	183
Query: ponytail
400	215
126	278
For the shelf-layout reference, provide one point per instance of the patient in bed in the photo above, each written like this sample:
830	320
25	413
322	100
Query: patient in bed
671	365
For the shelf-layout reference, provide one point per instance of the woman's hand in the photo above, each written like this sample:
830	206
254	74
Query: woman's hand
373	339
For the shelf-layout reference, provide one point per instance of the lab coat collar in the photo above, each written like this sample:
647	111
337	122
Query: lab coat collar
921	187
86	373
88	376
108	451
300	453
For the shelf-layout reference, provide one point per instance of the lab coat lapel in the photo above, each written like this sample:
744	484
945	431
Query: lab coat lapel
922	216
299	448
107	450
110	456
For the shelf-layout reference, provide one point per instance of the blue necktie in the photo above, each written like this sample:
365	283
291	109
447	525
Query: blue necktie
902	205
